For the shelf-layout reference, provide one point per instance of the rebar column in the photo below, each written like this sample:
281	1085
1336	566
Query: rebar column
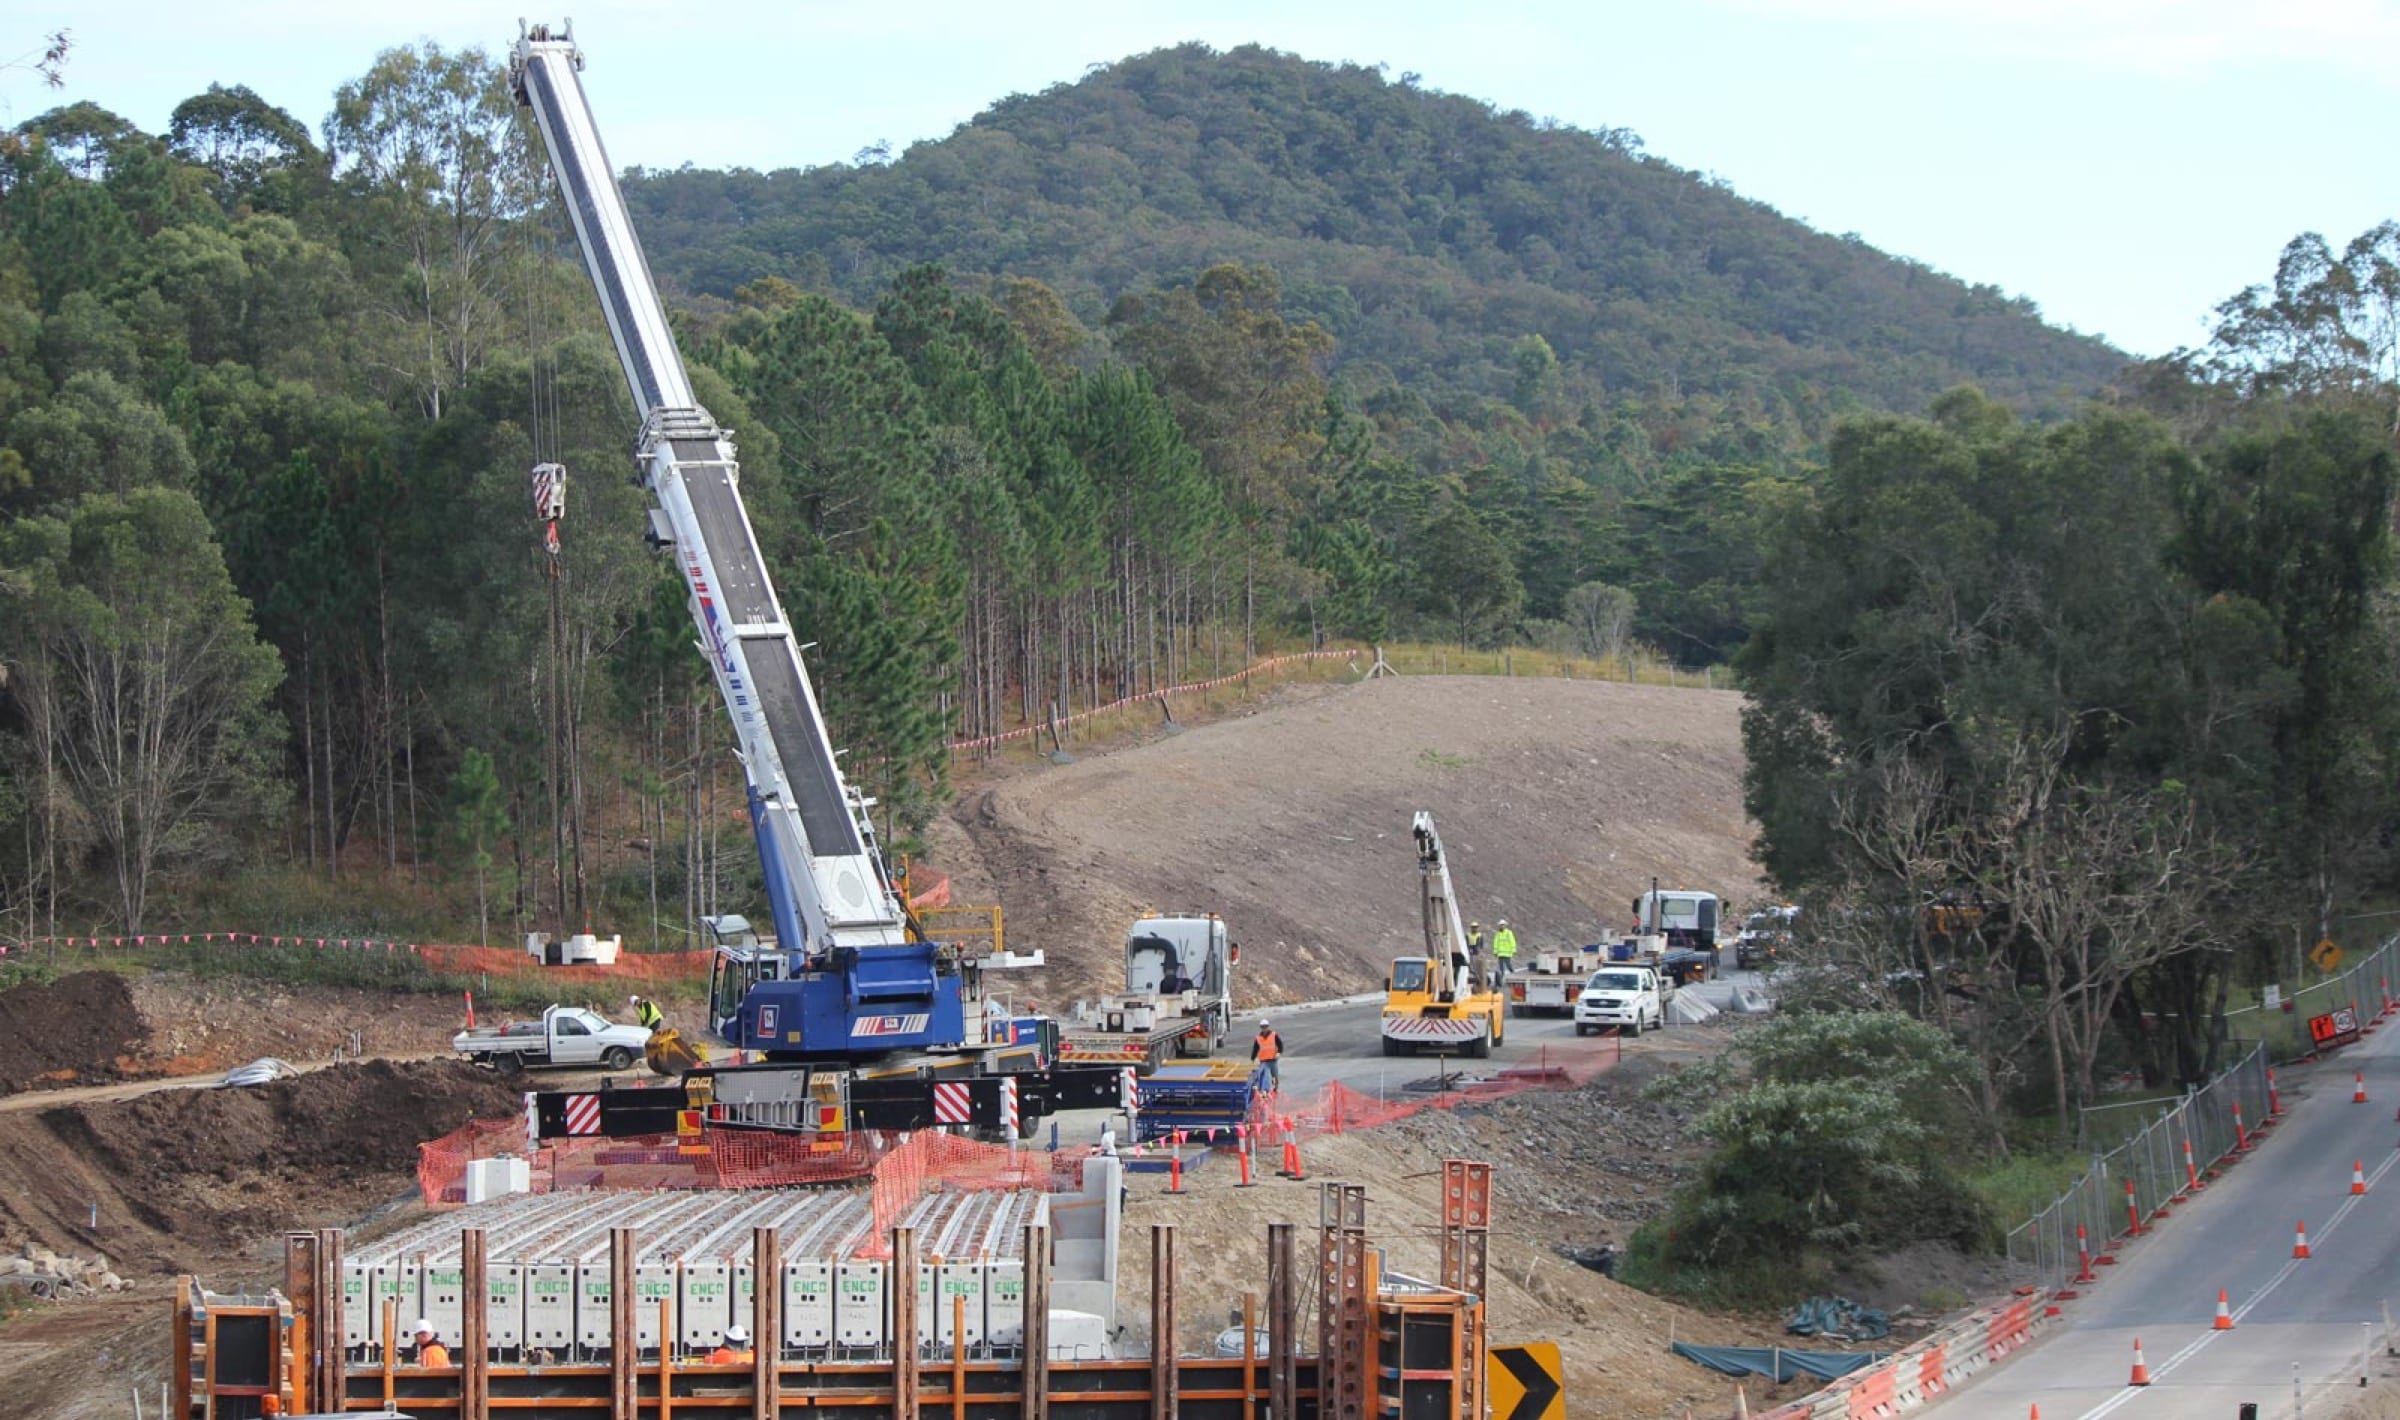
766	1323
1164	1399
474	1336
903	1292
624	1402
1283	1320
1034	1403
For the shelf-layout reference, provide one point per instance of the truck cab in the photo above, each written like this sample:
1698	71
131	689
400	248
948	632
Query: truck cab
1423	1013
1687	919
1627	998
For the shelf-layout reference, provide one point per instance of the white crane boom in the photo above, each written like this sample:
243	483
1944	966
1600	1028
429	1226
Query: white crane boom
1445	932
825	879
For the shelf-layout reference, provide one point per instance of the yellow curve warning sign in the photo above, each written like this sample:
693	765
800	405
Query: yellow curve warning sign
2327	954
1524	1382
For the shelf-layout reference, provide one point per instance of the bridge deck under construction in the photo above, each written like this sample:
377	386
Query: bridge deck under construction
1385	1345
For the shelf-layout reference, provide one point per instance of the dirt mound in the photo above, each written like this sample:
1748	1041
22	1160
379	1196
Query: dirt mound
190	1177
74	1030
1558	801
1613	1339
198	1026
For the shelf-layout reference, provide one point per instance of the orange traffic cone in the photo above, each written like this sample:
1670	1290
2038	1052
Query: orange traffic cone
2358	1177
2300	1240
2359	1094
2037	1413
2141	1368
2224	1321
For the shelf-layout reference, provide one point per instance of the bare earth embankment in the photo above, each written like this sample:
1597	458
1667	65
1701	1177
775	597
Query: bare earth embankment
1557	799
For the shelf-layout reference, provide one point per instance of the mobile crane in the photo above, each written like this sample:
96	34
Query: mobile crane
1440	1001
849	975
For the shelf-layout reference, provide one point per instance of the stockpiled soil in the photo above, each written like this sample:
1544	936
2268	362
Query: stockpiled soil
187	1179
74	1030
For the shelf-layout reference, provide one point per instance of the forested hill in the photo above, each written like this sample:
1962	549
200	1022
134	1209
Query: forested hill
1427	232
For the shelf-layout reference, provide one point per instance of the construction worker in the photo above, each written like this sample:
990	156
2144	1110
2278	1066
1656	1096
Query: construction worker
1504	947
1267	1050
646	1013
734	1350
430	1350
1475	938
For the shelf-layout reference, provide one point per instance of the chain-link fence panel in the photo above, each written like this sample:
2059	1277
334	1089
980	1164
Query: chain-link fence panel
2176	1152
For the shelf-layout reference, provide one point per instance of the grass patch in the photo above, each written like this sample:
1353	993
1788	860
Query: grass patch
1749	1286
2024	1184
1436	759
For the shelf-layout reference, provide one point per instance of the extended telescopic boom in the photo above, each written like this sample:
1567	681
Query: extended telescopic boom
833	902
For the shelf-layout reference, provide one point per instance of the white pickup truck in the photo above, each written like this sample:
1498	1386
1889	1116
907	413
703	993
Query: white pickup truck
565	1035
1626	998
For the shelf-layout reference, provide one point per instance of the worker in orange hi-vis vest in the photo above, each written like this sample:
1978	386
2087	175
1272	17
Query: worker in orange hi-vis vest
1267	1049
430	1350
735	1349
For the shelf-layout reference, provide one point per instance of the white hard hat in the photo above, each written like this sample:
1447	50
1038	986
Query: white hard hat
1503	921
424	1327
633	1000
1262	1025
736	1334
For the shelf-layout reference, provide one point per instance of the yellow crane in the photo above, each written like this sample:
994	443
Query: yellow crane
1441	1001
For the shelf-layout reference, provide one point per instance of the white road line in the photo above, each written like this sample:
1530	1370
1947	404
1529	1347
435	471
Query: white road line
2130	1393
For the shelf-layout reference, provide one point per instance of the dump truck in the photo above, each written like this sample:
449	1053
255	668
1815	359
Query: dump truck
1178	996
565	1035
1443	1001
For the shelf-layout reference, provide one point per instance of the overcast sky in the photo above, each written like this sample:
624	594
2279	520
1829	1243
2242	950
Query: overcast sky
2125	163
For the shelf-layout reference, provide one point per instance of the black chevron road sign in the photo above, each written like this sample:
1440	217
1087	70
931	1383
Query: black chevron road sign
1524	1382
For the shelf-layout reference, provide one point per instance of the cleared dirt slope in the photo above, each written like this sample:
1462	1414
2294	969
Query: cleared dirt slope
1557	799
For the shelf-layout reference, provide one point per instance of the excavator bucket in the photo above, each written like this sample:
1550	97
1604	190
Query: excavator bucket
670	1054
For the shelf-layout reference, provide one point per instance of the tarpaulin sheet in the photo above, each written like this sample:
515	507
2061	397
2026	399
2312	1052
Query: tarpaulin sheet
1782	1363
1838	1319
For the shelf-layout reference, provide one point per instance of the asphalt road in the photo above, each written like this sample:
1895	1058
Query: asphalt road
1326	1041
2238	1234
1342	1040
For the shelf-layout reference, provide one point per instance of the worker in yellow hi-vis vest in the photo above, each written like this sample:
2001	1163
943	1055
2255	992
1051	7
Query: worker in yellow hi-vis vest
1504	947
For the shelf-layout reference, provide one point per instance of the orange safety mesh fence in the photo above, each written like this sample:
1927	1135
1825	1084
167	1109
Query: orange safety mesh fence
927	1161
631	969
906	1167
442	1164
715	1158
1339	1109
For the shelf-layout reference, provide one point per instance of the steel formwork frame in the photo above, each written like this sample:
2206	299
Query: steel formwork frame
1342	1291
312	1370
1466	1224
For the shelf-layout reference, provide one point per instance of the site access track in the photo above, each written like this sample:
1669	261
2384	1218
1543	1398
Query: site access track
2237	1234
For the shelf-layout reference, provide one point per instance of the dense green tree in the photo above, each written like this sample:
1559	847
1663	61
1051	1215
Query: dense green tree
1248	388
153	686
1465	576
478	820
1831	1134
430	143
258	154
